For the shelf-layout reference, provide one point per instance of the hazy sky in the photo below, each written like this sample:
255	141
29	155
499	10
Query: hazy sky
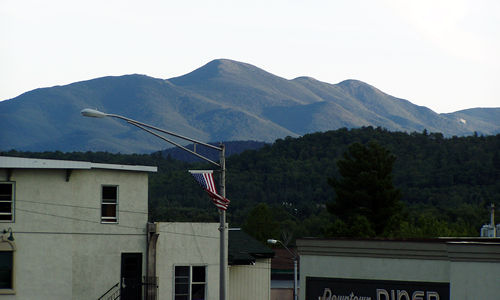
441	54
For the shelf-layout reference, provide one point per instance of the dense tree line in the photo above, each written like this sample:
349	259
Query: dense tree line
445	184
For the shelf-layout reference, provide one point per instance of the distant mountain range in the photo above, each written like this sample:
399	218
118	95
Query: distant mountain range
223	100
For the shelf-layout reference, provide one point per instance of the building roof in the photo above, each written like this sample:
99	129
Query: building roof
455	249
37	163
283	260
244	249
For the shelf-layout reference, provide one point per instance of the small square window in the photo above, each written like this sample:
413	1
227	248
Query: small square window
190	283
109	204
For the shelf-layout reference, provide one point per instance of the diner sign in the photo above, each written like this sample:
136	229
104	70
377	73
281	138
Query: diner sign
320	288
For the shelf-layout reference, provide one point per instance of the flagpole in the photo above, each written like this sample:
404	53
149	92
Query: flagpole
222	213
222	227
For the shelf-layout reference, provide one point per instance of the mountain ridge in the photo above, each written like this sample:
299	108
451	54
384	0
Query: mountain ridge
222	100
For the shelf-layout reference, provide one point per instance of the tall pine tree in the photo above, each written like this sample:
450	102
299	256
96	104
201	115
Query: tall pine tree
365	190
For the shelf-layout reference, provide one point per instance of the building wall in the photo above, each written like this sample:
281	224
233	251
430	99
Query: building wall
62	249
249	282
187	244
374	268
475	280
281	294
472	269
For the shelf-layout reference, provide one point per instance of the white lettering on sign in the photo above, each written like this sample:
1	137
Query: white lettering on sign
329	295
403	293
383	294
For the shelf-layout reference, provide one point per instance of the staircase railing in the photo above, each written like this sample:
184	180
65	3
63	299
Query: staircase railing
112	294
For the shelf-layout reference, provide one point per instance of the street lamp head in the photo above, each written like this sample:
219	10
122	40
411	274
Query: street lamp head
272	241
11	235
88	112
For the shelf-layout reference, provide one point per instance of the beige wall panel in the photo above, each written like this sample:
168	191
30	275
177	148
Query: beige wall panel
474	280
252	282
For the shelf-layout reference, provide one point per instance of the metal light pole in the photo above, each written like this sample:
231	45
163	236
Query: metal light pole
295	294
221	164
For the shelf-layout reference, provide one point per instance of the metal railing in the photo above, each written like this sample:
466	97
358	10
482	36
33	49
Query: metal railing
112	294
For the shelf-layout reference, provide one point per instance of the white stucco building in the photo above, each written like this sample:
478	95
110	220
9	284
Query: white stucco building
430	269
79	230
73	229
187	260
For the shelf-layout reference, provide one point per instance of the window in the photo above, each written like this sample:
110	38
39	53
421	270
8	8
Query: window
109	204
190	282
7	279
6	201
6	263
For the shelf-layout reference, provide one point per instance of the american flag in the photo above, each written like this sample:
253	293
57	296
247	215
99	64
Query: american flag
206	179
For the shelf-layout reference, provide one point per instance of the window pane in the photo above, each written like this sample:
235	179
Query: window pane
108	210
181	271
5	191
198	292
182	289
5	217
5	270
182	279
5	207
181	297
109	193
199	274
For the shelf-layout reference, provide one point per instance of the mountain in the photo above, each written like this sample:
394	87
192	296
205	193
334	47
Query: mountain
223	100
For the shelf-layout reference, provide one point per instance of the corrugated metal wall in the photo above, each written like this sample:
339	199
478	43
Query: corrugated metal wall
252	282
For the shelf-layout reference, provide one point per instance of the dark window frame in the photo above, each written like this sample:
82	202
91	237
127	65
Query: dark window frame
188	279
12	202
109	204
8	247
8	268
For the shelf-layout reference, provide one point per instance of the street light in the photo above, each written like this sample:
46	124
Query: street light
87	112
11	236
274	242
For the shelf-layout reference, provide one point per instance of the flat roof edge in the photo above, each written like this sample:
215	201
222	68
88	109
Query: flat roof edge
7	162
431	250
124	167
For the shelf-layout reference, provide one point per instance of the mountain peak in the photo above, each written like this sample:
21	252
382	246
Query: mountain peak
305	78
358	88
353	83
220	68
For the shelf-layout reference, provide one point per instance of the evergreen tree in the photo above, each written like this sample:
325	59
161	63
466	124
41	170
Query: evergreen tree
365	189
260	223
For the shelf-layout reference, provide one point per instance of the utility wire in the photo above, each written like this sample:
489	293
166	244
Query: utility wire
122	226
114	224
78	206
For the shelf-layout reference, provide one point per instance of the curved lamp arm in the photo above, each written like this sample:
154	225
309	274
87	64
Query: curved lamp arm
93	113
274	242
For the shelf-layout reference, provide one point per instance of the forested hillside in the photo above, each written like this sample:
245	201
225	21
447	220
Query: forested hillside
446	183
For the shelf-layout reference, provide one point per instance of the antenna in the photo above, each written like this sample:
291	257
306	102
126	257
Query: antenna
492	219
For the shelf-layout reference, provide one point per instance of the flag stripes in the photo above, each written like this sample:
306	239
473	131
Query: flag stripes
206	180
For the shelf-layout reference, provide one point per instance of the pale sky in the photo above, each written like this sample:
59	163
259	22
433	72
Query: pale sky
443	54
